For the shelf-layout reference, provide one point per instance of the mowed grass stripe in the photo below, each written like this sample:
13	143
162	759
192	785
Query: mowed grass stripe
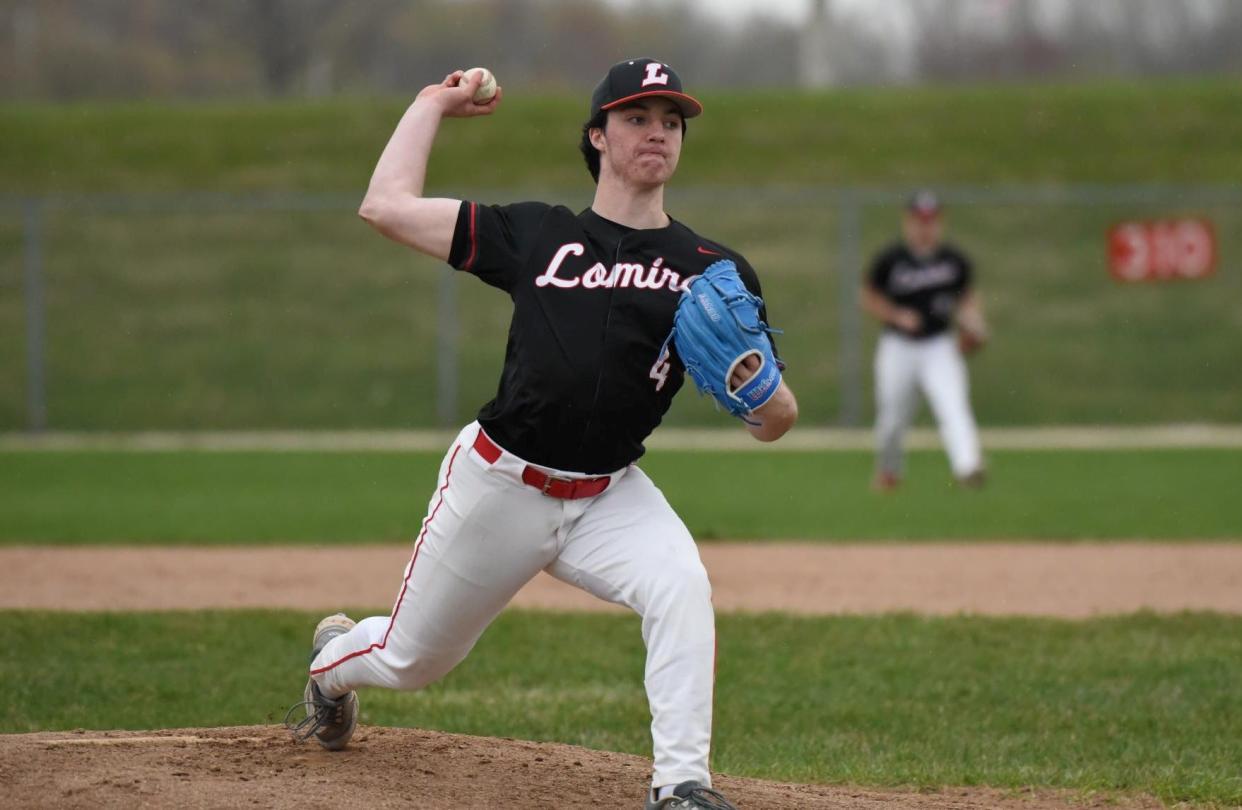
1131	704
264	498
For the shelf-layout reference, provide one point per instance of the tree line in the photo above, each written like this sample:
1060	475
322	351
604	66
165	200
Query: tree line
174	49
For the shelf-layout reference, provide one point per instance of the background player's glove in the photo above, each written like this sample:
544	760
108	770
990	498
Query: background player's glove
715	327
972	331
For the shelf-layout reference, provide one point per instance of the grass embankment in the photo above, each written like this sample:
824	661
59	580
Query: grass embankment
201	315
1140	703
305	497
1172	131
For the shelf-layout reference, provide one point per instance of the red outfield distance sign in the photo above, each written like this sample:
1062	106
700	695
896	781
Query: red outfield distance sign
1162	249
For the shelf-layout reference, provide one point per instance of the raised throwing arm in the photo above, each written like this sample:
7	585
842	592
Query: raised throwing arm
394	203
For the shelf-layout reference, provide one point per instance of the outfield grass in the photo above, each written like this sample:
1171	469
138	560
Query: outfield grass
306	497
189	319
1142	703
187	316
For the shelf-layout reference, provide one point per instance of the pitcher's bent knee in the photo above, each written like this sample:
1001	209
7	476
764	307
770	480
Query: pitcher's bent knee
680	582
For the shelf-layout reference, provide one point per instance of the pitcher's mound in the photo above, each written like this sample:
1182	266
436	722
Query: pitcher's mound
261	766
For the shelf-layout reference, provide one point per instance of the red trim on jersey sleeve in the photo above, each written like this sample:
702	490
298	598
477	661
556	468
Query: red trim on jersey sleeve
473	236
405	585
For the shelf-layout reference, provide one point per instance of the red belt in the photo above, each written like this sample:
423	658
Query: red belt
554	486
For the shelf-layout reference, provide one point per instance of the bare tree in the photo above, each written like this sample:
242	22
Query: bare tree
280	39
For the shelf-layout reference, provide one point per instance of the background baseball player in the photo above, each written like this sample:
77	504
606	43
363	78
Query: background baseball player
545	478
918	287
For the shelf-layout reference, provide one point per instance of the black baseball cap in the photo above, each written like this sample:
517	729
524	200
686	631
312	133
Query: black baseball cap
924	204
640	78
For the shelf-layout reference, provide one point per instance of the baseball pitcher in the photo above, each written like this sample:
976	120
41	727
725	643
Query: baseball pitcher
611	305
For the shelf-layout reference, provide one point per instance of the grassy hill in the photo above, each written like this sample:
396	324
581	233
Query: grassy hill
1173	131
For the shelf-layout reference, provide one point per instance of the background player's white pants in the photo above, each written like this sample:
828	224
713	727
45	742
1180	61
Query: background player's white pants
902	367
486	534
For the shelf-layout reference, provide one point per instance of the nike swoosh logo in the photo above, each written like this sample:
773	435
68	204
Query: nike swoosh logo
702	249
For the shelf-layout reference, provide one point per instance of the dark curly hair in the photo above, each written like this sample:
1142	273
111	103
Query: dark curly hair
589	153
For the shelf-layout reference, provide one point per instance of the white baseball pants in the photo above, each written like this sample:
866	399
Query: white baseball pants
903	366
487	533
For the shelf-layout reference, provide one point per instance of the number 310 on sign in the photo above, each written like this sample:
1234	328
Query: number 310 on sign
1162	249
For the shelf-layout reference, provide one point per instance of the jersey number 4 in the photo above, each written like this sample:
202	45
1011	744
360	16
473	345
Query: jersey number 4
659	372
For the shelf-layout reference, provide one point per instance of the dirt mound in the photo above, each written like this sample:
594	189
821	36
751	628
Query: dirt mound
390	767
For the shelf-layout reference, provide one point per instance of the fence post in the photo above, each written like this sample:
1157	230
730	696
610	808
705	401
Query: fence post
36	394
848	267
447	355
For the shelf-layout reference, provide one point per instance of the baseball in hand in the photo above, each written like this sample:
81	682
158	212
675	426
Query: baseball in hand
487	86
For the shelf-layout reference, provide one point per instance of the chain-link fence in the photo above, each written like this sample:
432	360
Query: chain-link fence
201	311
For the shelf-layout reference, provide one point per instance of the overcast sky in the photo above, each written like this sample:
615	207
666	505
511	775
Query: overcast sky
880	14
787	9
884	13
740	9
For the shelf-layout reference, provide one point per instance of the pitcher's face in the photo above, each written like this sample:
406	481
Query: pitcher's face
641	142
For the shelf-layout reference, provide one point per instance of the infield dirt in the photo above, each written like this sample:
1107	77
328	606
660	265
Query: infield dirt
1068	580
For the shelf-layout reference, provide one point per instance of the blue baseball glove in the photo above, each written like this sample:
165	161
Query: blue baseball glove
717	326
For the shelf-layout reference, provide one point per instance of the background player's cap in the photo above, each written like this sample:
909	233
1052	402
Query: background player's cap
924	204
640	78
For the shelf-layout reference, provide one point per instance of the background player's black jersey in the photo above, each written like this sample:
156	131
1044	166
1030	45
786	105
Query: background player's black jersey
593	302
931	285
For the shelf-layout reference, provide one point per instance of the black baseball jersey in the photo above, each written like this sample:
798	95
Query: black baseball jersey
593	302
931	285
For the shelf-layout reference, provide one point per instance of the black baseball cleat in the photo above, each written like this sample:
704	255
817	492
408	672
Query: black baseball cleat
330	721
690	796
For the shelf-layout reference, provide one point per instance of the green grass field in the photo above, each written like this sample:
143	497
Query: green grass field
189	315
304	497
1136	704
